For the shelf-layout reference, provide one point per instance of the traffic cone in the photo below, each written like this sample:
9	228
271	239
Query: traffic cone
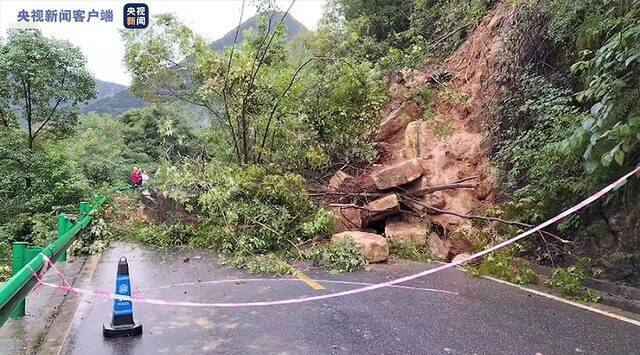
122	323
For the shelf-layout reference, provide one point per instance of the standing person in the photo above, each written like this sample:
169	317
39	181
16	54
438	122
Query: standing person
144	177
136	177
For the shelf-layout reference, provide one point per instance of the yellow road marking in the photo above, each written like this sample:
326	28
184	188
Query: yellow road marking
306	279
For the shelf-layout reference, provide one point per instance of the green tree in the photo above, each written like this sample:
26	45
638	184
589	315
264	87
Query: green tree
272	102
46	78
42	82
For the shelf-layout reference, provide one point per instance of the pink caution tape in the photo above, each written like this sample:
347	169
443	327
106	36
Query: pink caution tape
579	206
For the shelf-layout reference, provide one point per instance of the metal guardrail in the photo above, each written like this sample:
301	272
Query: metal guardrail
29	259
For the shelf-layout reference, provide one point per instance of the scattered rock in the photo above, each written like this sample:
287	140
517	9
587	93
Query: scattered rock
146	213
382	208
339	179
421	183
460	257
483	189
440	248
373	247
399	118
347	217
435	199
415	140
397	175
398	230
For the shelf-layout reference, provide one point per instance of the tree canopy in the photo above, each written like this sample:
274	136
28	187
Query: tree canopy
43	80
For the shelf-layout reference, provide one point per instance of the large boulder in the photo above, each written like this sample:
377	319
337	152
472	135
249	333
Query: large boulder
439	248
373	247
381	208
397	175
339	179
399	118
461	257
434	199
397	230
347	217
415	139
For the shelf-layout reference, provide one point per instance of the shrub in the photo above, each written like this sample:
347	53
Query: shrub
410	251
569	282
339	257
528	134
250	210
270	264
504	265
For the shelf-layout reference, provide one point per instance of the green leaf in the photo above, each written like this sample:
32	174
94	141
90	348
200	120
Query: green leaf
606	159
596	109
619	156
588	123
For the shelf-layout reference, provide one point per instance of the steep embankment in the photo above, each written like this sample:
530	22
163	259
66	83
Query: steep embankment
432	135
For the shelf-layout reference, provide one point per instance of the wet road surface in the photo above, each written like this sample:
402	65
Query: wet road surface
483	317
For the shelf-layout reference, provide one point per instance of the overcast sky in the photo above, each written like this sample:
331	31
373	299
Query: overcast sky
100	41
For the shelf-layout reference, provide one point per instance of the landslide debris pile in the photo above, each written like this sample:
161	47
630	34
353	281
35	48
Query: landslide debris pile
435	154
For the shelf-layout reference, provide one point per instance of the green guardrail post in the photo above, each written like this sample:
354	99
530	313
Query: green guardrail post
64	225
14	290
19	262
31	252
85	208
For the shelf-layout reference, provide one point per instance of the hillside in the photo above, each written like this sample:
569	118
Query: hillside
112	99
115	99
294	28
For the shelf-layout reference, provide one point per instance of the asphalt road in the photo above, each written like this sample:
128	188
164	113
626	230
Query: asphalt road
484	317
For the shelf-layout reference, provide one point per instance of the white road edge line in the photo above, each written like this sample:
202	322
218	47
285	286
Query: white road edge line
573	303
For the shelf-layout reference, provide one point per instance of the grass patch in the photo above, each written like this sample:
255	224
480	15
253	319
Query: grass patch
448	93
443	128
569	282
410	251
504	265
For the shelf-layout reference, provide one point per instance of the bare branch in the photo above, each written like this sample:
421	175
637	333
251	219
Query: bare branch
492	219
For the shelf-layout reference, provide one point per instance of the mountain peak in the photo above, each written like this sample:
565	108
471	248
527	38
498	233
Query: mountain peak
294	28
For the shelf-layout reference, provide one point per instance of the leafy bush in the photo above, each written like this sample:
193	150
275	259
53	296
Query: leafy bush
612	131
5	261
322	224
504	265
569	282
249	210
410	251
270	264
528	141
94	239
162	236
339	257
5	272
396	34
100	150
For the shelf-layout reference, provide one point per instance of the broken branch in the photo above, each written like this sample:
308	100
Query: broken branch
492	219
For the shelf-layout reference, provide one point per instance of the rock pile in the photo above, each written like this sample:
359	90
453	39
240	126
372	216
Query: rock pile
422	177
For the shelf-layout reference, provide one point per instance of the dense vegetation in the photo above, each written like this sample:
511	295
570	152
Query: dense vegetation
235	134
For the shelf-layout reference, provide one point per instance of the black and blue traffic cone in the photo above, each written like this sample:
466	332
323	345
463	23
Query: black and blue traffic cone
122	323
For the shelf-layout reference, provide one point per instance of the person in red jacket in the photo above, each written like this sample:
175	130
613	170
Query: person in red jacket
136	177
